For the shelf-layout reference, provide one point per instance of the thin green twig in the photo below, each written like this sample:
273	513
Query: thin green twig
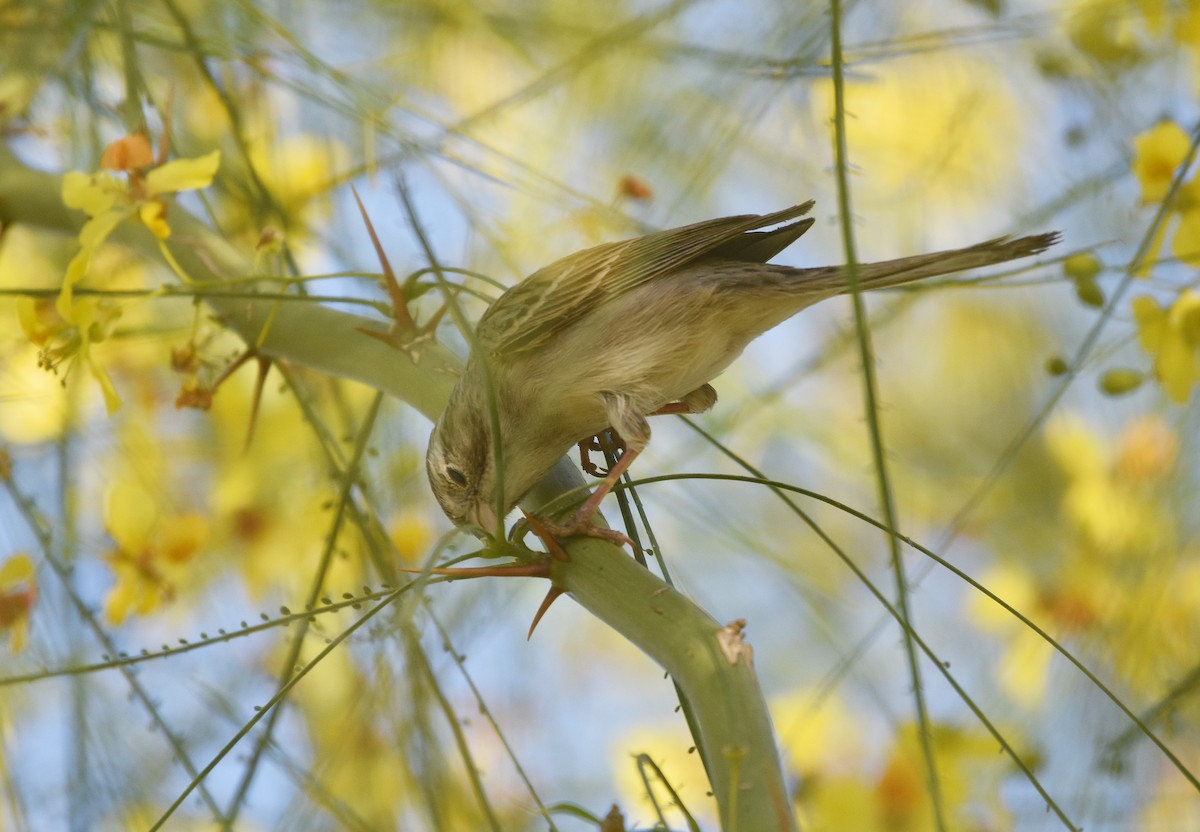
870	406
780	487
348	477
41	530
271	706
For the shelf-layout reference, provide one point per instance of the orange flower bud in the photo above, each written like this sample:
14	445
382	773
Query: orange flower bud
130	153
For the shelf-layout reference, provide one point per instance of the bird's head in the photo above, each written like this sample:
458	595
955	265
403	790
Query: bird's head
460	463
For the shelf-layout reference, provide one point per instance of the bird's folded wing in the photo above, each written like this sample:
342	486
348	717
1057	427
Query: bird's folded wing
557	296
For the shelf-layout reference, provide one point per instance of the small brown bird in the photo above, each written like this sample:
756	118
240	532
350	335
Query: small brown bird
612	334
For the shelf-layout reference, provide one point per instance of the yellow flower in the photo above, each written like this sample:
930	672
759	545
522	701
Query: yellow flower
61	339
1146	450
1015	586
1186	243
1172	336
411	534
298	173
91	193
949	129
970	776
151	550
100	197
183	175
153	215
1123	577
109	201
1021	671
1113	513
897	798
668	748
1187	29
269	507
1157	154
360	764
34	410
818	735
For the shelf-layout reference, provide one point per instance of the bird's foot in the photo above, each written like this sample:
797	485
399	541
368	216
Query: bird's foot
579	525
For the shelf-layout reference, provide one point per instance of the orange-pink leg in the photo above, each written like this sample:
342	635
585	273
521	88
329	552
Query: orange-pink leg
581	522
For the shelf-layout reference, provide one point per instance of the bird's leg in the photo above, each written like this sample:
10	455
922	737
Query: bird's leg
699	400
629	423
581	521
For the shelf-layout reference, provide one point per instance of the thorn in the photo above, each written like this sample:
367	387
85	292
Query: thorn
550	598
264	367
394	340
549	540
536	569
436	318
388	338
234	367
164	140
400	313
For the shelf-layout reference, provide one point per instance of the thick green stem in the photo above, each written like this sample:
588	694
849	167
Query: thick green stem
710	663
712	666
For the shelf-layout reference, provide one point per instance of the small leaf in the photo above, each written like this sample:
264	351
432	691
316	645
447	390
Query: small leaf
1089	292
1121	380
1082	266
1057	366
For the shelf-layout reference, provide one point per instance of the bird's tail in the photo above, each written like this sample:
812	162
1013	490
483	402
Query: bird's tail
834	280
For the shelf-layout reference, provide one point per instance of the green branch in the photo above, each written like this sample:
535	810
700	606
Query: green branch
887	502
710	663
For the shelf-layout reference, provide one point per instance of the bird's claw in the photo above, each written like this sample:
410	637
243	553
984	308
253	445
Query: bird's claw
583	526
609	441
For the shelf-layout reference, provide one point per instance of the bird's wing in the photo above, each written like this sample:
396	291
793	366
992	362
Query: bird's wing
556	296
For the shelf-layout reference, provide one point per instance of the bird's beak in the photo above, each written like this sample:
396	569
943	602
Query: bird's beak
483	515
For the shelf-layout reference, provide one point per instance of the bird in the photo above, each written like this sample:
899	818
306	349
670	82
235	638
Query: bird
608	336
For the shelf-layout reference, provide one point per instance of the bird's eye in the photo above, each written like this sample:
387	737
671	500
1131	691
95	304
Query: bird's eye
456	476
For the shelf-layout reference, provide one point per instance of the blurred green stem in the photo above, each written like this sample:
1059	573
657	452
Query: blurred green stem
710	663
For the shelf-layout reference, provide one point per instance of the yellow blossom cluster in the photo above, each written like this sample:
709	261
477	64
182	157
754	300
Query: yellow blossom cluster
76	323
1171	333
1126	584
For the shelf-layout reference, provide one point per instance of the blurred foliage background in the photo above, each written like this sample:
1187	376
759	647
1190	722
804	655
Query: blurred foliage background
1039	424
